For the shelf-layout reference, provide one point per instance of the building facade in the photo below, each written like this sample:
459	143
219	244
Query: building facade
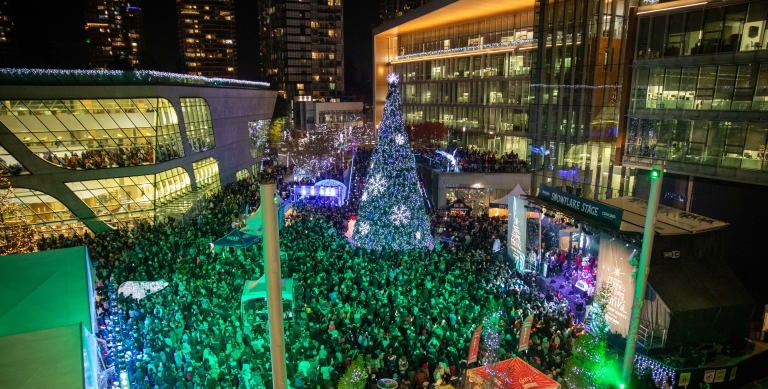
466	66
308	113
207	37
90	150
115	32
391	9
302	47
578	80
699	102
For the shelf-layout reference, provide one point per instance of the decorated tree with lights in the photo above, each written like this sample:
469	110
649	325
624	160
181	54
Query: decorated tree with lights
589	364
355	376
391	213
16	236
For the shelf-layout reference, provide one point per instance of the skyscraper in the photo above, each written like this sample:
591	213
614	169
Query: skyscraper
391	9
115	33
302	47
207	37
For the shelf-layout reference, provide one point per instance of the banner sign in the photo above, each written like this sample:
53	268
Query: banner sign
475	345
614	270
516	232
599	211
525	334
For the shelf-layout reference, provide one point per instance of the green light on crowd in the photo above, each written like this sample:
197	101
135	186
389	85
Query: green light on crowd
655	173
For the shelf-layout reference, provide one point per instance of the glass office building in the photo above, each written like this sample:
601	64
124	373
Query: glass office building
197	116
700	90
577	81
474	77
87	151
96	133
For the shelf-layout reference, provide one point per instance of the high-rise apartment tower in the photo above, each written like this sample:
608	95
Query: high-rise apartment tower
207	37
114	32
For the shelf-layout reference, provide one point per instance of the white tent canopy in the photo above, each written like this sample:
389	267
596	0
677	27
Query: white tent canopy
258	290
517	192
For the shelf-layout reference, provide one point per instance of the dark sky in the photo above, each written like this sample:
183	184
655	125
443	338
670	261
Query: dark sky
51	34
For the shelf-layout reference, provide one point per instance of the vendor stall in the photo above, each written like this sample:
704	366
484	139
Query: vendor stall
253	301
509	374
459	208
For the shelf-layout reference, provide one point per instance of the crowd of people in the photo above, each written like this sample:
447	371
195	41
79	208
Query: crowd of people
474	160
113	157
409	314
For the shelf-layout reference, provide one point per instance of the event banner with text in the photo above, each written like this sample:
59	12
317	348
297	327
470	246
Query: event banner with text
516	232
615	271
599	211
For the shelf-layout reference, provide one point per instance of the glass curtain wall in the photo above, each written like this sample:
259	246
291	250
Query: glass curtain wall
96	133
734	28
9	165
123	201
47	215
242	174
716	143
723	88
482	96
198	123
575	90
207	175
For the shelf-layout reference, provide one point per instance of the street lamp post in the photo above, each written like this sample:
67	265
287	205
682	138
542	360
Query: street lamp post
656	176
274	283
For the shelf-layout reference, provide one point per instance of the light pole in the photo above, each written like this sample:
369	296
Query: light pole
656	175
274	283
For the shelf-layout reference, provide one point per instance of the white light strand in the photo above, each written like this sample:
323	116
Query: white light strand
143	74
467	48
578	86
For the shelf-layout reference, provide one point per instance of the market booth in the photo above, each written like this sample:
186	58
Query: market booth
253	301
47	320
510	374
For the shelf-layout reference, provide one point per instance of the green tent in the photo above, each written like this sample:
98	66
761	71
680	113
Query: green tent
63	358
47	318
46	289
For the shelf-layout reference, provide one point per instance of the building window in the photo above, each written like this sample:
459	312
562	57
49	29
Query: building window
47	215
197	121
95	134
207	175
242	174
123	201
9	166
259	134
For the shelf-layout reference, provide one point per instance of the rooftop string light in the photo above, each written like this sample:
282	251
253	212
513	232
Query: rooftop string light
131	77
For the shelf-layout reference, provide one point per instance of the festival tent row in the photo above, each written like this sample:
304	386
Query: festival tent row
509	374
47	319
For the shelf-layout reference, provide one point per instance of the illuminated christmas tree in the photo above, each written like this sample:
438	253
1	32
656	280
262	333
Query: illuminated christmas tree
391	213
589	365
16	236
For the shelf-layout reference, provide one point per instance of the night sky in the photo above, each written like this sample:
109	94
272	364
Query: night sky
51	34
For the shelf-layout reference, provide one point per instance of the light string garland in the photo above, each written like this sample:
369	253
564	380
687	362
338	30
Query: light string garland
467	48
391	213
144	75
659	371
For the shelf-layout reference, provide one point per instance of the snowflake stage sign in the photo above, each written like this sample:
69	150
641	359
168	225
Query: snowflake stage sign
391	208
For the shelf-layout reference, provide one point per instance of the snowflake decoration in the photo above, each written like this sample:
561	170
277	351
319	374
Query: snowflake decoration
377	185
400	139
363	228
393	78
364	196
400	215
418	235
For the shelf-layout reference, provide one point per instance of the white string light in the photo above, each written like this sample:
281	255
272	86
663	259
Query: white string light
467	48
145	75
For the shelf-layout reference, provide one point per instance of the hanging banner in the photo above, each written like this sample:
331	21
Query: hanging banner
475	345
525	333
516	232
614	270
598	211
